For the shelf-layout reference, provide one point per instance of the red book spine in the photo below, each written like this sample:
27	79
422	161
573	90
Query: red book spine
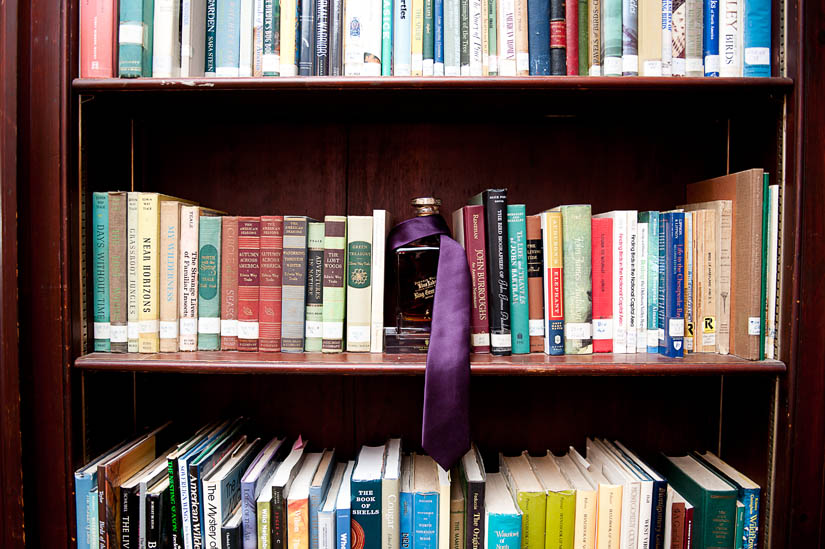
98	38
535	291
602	249
249	271
272	248
571	16
229	284
474	243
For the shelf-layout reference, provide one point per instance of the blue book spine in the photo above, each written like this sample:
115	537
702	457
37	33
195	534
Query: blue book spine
401	51
660	313
438	37
316	500
342	527
757	38
652	220
365	503
519	308
658	514
386	37
425	520
100	214
228	38
750	498
249	514
405	520
210	61
710	37
504	532
93	519
130	39
675	285
538	26
82	488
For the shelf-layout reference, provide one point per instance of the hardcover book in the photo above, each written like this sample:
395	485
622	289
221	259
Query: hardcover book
132	330
551	229
100	242
757	38
671	291
133	57
118	335
166	39
293	311
334	285
621	280
210	46
651	219
271	58
584	525
315	287
506	19
694	30
366	497
690	250
573	15
188	278
710	40
405	501
456	513
278	490
249	273
519	300
602	268
229	283
326	514
535	292
192	38
452	37
578	306
401	30
378	260
612	36
522	39
98	38
228	38
594	45
557	30
468	230
270	291
169	275
288	38
650	37
630	37
322	38
306	51
678	38
641	286
359	280
209	284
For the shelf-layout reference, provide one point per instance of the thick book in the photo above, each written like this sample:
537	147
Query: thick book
650	37
426	519
100	270
134	53
560	520
578	307
188	278
401	29
249	277
318	488
745	191
602	269
609	502
671	284
641	286
535	292
390	493
519	300
506	34
553	282
174	467
621	280
271	278
169	274
289	38
710	37
529	493
132	200
313	323
228	38
619	473
473	480
365	497
98	38
166	39
298	512
651	218
293	312
630	38
658	495
540	25
334	285
678	62
210	38
757	38
209	284
322	37
584	524
468	230
192	38
502	522
271	59
495	210
343	510
378	259
253	481
130	508
611	18
306	51
229	283
359	279
85	487
118	336
713	498
571	37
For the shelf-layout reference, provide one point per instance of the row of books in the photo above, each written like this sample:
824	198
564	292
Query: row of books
224	489
190	38
701	278
173	276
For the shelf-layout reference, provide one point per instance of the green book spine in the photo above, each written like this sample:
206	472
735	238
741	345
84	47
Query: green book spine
334	293
583	39
131	36
209	283
652	220
272	44
428	46
464	37
561	519
492	40
519	299
315	285
386	38
578	304
612	33
533	507
763	293
264	511
148	35
739	532
100	214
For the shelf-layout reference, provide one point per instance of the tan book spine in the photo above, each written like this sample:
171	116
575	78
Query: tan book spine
188	277
118	331
132	330
485	37
229	284
148	265
169	247
594	44
522	38
650	38
359	291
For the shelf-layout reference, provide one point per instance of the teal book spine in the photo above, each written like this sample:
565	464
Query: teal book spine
210	60
386	37
315	288
519	299
131	33
365	504
428	47
763	291
612	33
148	36
209	283
578	294
652	220
739	529
228	38
100	214
503	531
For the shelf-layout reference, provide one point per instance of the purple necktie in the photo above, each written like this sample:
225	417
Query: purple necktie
445	433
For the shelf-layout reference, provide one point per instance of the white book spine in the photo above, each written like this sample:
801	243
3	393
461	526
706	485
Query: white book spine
185	37
773	261
645	503
166	41
641	286
326	528
371	31
185	514
631	301
258	39
544	281
142	515
212	514
630	515
668	516
476	20
620	297
731	25
353	38
506	19
379	240
288	28
690	305
187	278
132	200
247	22
667	38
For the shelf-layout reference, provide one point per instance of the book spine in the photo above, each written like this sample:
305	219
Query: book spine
315	288
166	40
210	61
343	528
271	62
417	40
452	37
730	37
229	283
83	491
631	276
594	44
664	226
213	506
289	27
464	37
504	531
495	204
428	39
334	292
650	37
186	50
694	25
578	312
401	38
101	508
371	32
148	236
249	517
358	275
757	38
322	38
118	336
519	308
293	295
710	37
297	523
264	514
174	504
100	214
425	520
405	523
667	37
641	287
153	520
551	228
246	41
751	500
390	514
365	504
763	290
620	276
602	268
678	61
128	518
543	29
231	537
258	40
534	283
476	21
485	37
688	282
630	37
278	518
306	52
249	272
98	39
584	39
561	510
492	38
472	231
271	291
612	36
739	528
506	19
193	535
188	278
130	39
571	37
169	250
378	259
522	38
228	38
132	200
718	519
653	228
336	37
386	37
674	281
209	284
92	526
475	516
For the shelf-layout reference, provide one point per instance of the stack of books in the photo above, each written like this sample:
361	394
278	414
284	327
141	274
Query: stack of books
224	489
191	38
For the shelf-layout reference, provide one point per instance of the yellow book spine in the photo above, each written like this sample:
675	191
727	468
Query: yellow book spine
710	275
584	532
594	45
608	530
561	520
485	38
533	514
359	289
298	517
650	38
417	47
522	38
288	28
148	298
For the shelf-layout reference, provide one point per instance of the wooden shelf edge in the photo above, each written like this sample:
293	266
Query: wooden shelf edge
398	83
224	362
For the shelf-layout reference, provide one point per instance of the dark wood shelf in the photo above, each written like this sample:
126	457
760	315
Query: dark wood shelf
641	364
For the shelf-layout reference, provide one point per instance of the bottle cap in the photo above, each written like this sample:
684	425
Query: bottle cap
427	205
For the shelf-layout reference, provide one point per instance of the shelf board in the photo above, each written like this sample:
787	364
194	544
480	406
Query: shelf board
536	364
463	84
